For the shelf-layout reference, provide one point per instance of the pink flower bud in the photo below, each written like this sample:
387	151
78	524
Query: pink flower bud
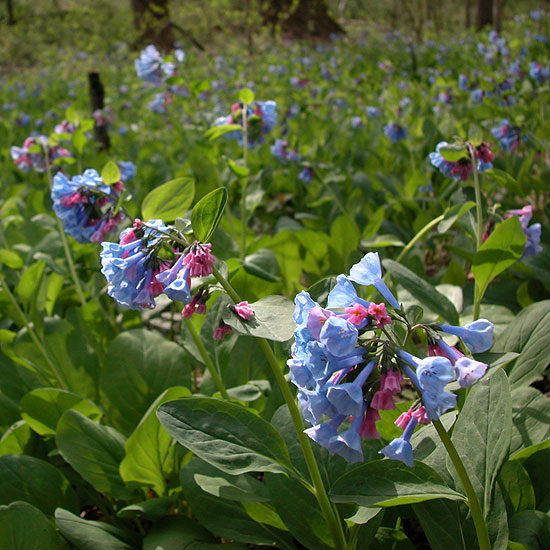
403	420
244	311
391	381
383	401
420	415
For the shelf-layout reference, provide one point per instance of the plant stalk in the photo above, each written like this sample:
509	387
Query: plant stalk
207	359
418	236
473	502
479	231
244	183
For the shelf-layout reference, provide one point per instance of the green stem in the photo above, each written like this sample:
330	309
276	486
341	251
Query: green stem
328	511
244	183
334	196
33	335
206	359
473	502
479	230
418	236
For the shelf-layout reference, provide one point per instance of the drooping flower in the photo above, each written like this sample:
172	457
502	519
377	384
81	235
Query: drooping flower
86	206
127	170
509	137
401	448
222	331
478	335
462	168
33	154
280	151
151	67
395	132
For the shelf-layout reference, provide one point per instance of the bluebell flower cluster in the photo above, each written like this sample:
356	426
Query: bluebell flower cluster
86	206
281	151
532	232
127	170
261	119
462	168
33	154
151	66
509	137
138	270
395	132
347	368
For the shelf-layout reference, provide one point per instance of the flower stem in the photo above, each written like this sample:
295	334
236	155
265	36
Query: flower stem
206	359
473	502
244	183
418	236
33	335
328	511
479	231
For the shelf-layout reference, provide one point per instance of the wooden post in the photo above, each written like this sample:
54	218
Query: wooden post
9	8
97	96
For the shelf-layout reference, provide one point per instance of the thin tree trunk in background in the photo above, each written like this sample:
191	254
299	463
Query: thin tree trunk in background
499	4
467	13
484	13
97	100
152	20
9	8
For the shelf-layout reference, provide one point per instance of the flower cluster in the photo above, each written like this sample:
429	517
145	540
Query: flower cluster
86	206
261	118
509	137
462	168
148	262
281	151
532	232
394	132
32	154
347	367
151	66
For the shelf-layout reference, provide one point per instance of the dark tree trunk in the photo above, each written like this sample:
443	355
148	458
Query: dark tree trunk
499	5
9	9
97	97
484	13
467	13
304	19
152	20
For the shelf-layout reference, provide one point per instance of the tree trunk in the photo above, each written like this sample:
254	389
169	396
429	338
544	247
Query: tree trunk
152	20
97	100
467	13
484	13
9	8
499	4
304	19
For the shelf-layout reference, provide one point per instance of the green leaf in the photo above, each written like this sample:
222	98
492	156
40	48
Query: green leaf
30	281
502	249
475	135
151	459
225	435
94	535
530	417
424	292
23	527
138	367
517	488
169	200
537	468
453	152
111	174
36	482
531	528
239	170
79	140
94	451
42	408
154	508
207	214
453	214
11	259
246	95
272	319
18	439
482	434
529	335
390	483
263	264
218	131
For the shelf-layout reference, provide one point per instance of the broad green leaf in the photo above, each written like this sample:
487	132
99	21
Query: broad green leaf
264	514
537	468
79	140
11	259
263	263
240	170
516	487
151	459
213	513
94	535
154	508
36	482
390	483
482	434
453	214
530	417
424	292
299	510
225	435
502	249
169	200
529	335
453	152
272	319
94	451
42	408
24	527
111	174
30	281
250	392
207	214
138	367
531	528
246	95
19	439
218	131
475	135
